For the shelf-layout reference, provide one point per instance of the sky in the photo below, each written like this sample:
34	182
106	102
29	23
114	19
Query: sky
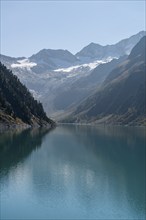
29	26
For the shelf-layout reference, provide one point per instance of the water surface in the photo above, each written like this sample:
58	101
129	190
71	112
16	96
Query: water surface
73	172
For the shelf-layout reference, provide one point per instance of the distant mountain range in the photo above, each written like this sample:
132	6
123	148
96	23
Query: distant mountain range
97	51
48	59
61	80
122	97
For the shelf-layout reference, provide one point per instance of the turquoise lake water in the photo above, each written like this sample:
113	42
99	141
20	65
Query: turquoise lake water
73	172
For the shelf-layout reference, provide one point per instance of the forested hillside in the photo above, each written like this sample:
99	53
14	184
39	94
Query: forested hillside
17	105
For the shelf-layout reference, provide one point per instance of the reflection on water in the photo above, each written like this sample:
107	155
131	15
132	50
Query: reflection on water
17	145
73	172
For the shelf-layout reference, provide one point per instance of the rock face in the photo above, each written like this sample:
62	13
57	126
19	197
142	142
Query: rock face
84	86
122	98
96	51
17	106
48	59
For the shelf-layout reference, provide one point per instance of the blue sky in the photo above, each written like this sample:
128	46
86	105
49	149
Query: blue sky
29	26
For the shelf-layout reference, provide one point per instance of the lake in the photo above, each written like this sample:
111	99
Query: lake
73	172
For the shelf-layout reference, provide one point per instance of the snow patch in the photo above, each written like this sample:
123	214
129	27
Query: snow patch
25	63
90	66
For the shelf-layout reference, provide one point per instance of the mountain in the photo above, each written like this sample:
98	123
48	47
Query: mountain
17	106
48	59
85	86
8	61
59	80
96	51
121	99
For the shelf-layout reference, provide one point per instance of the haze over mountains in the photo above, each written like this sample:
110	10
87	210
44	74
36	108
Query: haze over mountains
61	80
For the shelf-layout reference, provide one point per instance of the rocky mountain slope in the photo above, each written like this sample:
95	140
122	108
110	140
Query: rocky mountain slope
48	59
122	98
97	51
85	86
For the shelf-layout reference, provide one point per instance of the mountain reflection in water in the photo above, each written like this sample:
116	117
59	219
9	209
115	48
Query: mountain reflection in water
74	172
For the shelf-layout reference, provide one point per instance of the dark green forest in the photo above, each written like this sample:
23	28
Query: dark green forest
17	102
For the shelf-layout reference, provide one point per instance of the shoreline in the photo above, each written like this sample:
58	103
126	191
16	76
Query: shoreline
103	125
12	126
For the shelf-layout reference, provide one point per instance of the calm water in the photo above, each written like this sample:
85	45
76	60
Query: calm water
73	172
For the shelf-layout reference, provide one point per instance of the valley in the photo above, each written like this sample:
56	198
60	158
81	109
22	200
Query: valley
61	80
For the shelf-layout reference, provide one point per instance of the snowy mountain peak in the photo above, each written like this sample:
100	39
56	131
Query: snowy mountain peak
49	59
